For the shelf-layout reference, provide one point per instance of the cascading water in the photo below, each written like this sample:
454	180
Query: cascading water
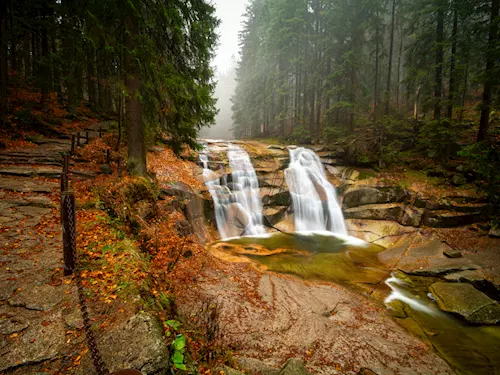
314	199
238	206
398	293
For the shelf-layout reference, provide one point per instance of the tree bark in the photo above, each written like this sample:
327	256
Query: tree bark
3	62
377	63
391	51
136	163
439	62
451	95
484	122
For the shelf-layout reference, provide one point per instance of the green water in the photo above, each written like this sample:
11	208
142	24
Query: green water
322	257
468	349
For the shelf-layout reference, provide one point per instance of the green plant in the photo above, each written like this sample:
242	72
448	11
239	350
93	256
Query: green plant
301	134
485	159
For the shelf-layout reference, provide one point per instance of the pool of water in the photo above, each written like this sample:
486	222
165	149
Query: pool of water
354	264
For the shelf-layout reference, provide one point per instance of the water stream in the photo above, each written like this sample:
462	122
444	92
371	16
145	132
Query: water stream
320	249
315	202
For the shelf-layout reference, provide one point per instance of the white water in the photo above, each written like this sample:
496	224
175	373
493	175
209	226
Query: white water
238	206
315	202
400	294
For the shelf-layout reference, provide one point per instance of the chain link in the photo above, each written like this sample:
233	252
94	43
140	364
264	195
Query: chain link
91	343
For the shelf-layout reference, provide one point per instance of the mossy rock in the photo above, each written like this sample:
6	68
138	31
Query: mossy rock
465	300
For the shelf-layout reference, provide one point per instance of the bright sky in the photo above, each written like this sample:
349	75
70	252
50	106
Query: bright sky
229	12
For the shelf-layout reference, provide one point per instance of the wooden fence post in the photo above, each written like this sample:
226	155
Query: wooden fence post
72	144
78	139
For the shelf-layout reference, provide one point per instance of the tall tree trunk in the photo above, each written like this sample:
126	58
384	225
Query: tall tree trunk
3	62
451	95
391	49
13	41
400	55
26	56
45	77
377	63
484	122
91	89
439	62
136	163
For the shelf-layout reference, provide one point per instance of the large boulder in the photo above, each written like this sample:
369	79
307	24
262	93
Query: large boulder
447	219
465	300
356	197
138	344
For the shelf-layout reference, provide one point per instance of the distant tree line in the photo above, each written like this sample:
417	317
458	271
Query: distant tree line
400	69
148	60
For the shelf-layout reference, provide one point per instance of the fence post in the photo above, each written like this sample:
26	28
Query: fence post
87	137
64	173
72	144
69	230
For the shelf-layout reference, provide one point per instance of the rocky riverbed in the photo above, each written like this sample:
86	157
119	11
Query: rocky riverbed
436	233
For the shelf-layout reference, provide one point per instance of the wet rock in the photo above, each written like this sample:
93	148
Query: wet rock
447	219
452	253
350	175
465	300
427	259
137	344
274	214
458	179
395	212
275	197
40	342
276	147
494	232
381	232
372	195
40	298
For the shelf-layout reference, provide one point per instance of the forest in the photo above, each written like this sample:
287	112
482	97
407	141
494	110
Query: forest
404	74
146	63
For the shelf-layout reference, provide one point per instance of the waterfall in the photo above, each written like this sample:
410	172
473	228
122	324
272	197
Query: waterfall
314	199
238	206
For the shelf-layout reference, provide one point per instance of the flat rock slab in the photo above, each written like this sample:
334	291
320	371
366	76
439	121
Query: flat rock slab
40	298
28	172
465	300
380	232
34	211
27	185
40	342
428	259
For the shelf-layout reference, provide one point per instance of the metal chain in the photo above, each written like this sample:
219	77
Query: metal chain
91	343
